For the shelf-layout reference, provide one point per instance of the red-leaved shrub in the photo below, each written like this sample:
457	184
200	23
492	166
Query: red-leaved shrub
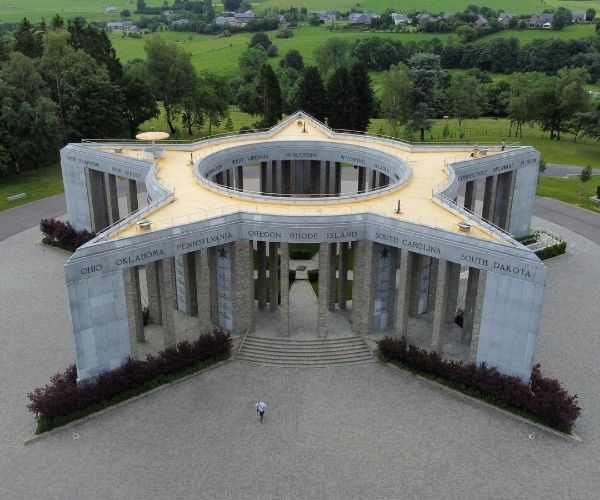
63	396
62	234
542	397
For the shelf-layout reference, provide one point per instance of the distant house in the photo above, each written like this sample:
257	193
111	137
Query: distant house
121	25
326	16
365	18
110	9
244	16
578	16
480	22
180	22
541	20
504	18
425	17
400	18
220	21
227	21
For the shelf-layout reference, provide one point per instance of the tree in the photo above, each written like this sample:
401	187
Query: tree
214	98
363	97
209	11
140	5
335	52
97	44
590	14
425	73
171	73
268	97
562	18
559	98
259	39
311	96
523	99
463	99
231	5
584	176
288	83
140	103
57	23
251	61
292	59
27	40
339	99
125	13
395	104
20	73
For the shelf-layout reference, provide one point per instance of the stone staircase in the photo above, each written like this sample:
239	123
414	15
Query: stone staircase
314	352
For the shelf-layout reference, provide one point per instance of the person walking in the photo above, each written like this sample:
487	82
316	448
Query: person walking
260	408
503	145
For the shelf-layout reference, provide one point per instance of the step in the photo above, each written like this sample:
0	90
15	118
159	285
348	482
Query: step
306	363
305	352
304	343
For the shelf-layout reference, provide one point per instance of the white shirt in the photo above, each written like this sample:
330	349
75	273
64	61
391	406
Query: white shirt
260	406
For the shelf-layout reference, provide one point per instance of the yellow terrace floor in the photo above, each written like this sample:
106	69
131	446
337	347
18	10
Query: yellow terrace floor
194	201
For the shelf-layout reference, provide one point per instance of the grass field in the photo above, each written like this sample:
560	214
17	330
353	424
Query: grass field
568	190
432	6
92	10
37	184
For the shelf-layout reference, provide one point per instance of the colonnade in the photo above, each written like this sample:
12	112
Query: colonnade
390	286
497	197
302	177
104	201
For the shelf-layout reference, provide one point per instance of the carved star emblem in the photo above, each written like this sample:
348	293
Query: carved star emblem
223	253
384	253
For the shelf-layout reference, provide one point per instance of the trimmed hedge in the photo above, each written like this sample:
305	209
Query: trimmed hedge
542	399
552	251
62	235
63	400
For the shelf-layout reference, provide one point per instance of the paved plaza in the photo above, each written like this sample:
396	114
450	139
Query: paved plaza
367	431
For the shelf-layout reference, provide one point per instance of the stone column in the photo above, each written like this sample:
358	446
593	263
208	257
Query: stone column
214	290
220	179
343	276
415	285
453	284
239	181
384	180
132	196
323	177
166	270
135	320
338	178
243	287
98	200
284	285
189	262
113	198
470	303
441	305
263	176
362	180
276	177
306	177
153	287
477	316
373	180
394	254
323	289
203	286
431	292
489	198
470	193
332	282
504	194
404	293
328	188
285	177
273	276
261	251
315	176
229	178
362	289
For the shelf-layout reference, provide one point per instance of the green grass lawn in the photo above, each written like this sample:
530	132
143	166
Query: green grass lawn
37	184
569	191
432	6
92	10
